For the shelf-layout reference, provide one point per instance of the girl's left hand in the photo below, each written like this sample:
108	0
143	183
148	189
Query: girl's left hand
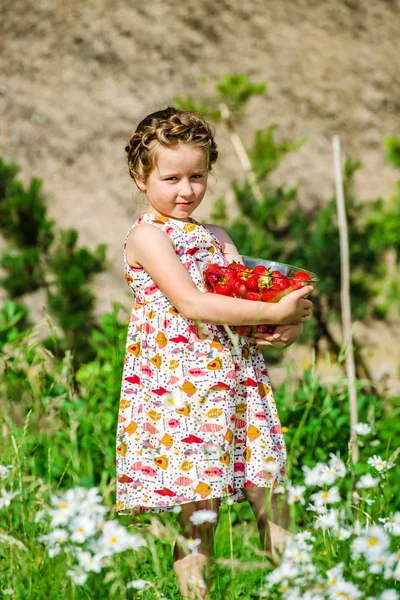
283	336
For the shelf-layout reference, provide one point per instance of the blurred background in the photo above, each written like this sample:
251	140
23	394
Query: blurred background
77	77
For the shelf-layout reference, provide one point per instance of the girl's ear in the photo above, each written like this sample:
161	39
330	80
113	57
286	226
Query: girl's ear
141	184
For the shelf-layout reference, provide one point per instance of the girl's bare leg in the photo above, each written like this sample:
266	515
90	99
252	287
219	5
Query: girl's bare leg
272	519
195	567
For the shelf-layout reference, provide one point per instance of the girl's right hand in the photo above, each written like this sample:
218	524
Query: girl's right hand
294	308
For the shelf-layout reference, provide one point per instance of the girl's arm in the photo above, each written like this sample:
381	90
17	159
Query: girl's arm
150	248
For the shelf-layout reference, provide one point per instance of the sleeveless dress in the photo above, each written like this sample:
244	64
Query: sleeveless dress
226	433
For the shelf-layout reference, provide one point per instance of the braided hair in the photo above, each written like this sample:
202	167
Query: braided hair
167	127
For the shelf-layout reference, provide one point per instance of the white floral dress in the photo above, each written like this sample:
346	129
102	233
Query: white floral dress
227	434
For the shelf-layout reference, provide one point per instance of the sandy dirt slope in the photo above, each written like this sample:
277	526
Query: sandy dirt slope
76	77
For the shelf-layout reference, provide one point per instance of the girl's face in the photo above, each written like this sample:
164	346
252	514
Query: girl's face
177	183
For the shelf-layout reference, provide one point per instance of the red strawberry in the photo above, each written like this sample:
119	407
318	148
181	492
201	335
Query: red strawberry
252	283
269	295
239	288
240	267
211	279
229	275
260	270
224	289
302	276
253	296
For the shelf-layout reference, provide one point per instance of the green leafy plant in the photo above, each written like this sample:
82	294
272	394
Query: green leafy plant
39	256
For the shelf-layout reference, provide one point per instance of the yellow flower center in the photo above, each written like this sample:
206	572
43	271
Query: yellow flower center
372	541
63	505
113	540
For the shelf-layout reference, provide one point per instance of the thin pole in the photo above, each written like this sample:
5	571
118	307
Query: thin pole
345	296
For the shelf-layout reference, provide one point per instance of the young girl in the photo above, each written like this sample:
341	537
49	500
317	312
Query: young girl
197	419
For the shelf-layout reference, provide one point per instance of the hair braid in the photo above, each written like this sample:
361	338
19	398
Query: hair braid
167	127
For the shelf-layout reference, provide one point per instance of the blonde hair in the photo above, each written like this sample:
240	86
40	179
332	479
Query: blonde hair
169	128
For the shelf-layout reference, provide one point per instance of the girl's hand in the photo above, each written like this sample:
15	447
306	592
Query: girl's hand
283	336
294	308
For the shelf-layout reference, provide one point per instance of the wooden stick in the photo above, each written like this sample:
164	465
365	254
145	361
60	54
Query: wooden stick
345	297
241	152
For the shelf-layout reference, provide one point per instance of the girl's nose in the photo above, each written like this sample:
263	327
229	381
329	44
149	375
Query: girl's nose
185	189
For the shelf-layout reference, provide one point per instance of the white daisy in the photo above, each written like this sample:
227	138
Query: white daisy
90	562
81	528
362	428
376	564
6	497
327	521
173	400
336	464
326	496
343	534
78	576
345	589
371	542
389	595
137	584
203	516
366	499
393	524
5	471
296	494
197	582
378	463
367	482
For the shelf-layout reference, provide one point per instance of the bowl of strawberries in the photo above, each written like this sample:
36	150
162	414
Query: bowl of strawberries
258	280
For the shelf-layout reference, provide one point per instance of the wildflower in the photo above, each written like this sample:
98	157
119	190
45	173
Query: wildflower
371	542
295	494
304	536
335	574
63	510
343	534
115	538
389	595
285	571
6	497
82	528
90	562
196	582
190	544
378	463
344	589
327	521
78	576
5	471
313	476
203	516
366	482
320	509
393	524
362	428
57	536
337	465
137	584
8	592
366	499
193	545
326	496
173	400
376	564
